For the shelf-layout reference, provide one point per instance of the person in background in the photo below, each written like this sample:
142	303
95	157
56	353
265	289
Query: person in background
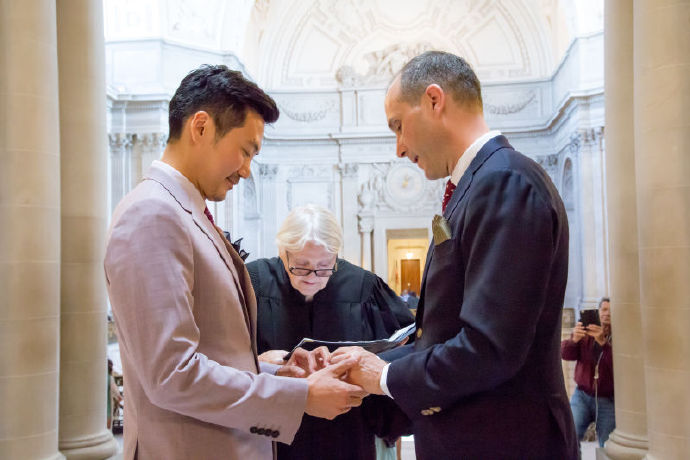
592	400
113	394
412	300
309	292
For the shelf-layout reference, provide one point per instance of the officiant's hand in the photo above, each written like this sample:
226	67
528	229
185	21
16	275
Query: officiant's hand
367	372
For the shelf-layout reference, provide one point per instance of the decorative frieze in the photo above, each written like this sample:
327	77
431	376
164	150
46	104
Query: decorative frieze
399	187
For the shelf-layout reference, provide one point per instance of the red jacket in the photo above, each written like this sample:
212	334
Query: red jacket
586	352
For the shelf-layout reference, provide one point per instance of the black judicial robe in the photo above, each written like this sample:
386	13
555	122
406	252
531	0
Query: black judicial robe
355	305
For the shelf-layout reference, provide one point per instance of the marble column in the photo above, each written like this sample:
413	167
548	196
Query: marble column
366	227
629	439
269	207
120	159
351	248
83	170
29	231
662	166
588	143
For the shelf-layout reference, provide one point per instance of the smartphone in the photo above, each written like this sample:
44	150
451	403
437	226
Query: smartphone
589	316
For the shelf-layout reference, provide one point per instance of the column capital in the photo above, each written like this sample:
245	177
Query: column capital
366	223
268	171
348	170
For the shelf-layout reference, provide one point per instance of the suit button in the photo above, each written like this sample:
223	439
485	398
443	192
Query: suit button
253	430
435	409
419	333
260	431
427	411
275	434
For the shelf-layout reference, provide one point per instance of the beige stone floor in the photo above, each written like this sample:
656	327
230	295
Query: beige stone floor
588	449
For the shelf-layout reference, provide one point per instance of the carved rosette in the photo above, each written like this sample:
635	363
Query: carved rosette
398	187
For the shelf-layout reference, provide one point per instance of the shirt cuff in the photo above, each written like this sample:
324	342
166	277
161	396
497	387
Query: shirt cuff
382	382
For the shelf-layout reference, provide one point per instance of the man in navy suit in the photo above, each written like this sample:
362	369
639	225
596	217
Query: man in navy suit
483	378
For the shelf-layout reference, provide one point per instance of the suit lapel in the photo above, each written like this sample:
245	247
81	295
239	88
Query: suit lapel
463	186
244	286
223	247
484	154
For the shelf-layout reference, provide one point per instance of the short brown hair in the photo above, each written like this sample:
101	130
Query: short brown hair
452	73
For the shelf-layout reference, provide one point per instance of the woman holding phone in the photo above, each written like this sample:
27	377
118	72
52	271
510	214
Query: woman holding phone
590	346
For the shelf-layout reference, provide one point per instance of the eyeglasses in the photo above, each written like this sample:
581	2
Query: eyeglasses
320	272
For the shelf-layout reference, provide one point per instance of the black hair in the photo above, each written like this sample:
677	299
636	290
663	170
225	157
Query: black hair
225	94
452	73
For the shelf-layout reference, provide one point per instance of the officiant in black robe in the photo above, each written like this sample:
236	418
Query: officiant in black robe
309	292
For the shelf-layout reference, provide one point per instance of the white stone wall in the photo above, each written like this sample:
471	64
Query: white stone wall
331	145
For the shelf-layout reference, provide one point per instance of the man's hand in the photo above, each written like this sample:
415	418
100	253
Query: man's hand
579	332
303	363
597	333
273	357
329	395
367	372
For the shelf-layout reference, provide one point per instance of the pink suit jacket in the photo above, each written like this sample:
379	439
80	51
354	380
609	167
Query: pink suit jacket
186	318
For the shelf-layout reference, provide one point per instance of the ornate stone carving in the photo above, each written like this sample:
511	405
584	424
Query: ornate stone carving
567	187
365	223
120	142
306	111
187	21
506	109
348	170
249	201
381	64
592	136
267	171
587	137
310	171
152	141
398	187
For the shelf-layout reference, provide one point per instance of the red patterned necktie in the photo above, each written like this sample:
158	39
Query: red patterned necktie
209	215
450	187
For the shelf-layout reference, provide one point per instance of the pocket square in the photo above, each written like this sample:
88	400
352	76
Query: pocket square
236	245
440	229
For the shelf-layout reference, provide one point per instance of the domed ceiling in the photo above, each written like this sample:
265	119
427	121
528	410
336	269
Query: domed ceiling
328	43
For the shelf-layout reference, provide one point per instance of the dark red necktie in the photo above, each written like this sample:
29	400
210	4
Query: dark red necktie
450	187
209	215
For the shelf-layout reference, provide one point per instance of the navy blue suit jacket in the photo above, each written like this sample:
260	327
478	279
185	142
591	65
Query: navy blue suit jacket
484	379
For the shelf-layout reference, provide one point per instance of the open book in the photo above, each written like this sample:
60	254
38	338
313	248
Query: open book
374	346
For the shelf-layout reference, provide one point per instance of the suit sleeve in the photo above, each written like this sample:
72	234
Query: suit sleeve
507	247
149	267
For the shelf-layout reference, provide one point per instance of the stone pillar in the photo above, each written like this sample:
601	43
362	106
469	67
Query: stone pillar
662	164
366	227
83	171
351	247
629	439
588	143
269	209
120	159
29	231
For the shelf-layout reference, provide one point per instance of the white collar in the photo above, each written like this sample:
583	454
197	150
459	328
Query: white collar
469	154
187	186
